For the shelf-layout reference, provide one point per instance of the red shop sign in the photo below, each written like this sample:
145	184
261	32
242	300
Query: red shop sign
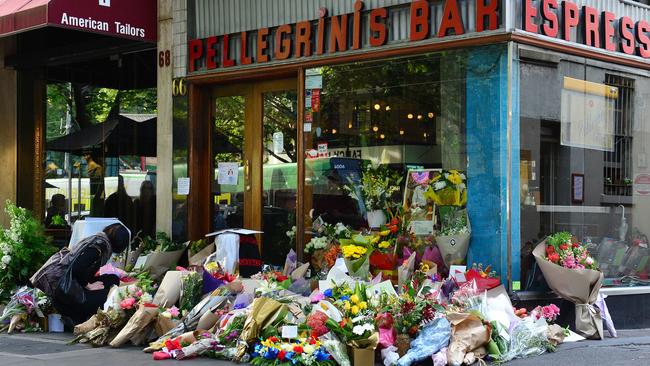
119	18
642	184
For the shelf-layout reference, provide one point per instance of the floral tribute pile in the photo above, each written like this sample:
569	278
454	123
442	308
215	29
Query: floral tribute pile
383	293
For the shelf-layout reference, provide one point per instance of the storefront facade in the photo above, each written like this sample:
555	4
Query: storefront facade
539	103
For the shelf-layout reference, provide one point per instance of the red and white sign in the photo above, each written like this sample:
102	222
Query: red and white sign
315	100
642	184
322	150
311	154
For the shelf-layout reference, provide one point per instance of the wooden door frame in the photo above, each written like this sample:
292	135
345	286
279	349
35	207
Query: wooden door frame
201	170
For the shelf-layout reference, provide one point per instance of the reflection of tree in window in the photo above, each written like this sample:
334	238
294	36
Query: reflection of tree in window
280	111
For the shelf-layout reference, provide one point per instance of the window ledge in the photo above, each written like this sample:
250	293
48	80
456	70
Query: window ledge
616	291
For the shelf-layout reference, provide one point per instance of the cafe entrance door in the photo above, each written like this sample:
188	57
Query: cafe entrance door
254	160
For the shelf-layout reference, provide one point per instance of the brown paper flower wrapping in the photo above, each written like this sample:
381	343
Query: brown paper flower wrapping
207	320
580	286
317	260
200	257
160	262
468	333
169	291
139	321
86	326
163	325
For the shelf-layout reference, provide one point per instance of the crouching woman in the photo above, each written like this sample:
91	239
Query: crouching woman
83	292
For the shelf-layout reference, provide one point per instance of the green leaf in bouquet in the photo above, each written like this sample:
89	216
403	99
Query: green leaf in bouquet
558	239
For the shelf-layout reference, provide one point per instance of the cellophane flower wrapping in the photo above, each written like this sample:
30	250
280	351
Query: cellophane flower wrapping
528	338
336	348
358	268
431	339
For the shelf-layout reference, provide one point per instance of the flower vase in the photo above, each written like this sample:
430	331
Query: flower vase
376	218
403	344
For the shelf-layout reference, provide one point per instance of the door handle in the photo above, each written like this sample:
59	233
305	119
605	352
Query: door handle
247	170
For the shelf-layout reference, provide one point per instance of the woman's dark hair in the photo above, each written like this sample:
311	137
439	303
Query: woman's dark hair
119	237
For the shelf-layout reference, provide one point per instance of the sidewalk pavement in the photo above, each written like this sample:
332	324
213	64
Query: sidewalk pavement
631	348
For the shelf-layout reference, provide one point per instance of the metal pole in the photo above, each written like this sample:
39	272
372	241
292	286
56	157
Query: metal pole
68	162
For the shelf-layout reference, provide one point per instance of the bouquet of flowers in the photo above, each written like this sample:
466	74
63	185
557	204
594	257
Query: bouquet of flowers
229	334
448	188
272	281
316	321
20	313
304	351
198	251
324	245
214	276
375	190
549	312
563	249
454	235
571	273
23	249
356	252
316	243
131	296
191	291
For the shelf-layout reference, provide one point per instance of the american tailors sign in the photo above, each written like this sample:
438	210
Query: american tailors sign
592	27
336	34
120	18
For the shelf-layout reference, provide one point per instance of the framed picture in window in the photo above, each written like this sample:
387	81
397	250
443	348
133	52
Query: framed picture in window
577	188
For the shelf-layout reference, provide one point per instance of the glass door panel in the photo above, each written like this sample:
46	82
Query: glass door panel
229	163
280	179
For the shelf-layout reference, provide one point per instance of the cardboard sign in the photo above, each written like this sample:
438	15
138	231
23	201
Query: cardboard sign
322	150
290	332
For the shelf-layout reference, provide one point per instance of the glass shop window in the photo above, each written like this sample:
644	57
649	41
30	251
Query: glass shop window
584	170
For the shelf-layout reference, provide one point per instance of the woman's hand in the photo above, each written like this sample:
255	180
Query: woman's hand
95	286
